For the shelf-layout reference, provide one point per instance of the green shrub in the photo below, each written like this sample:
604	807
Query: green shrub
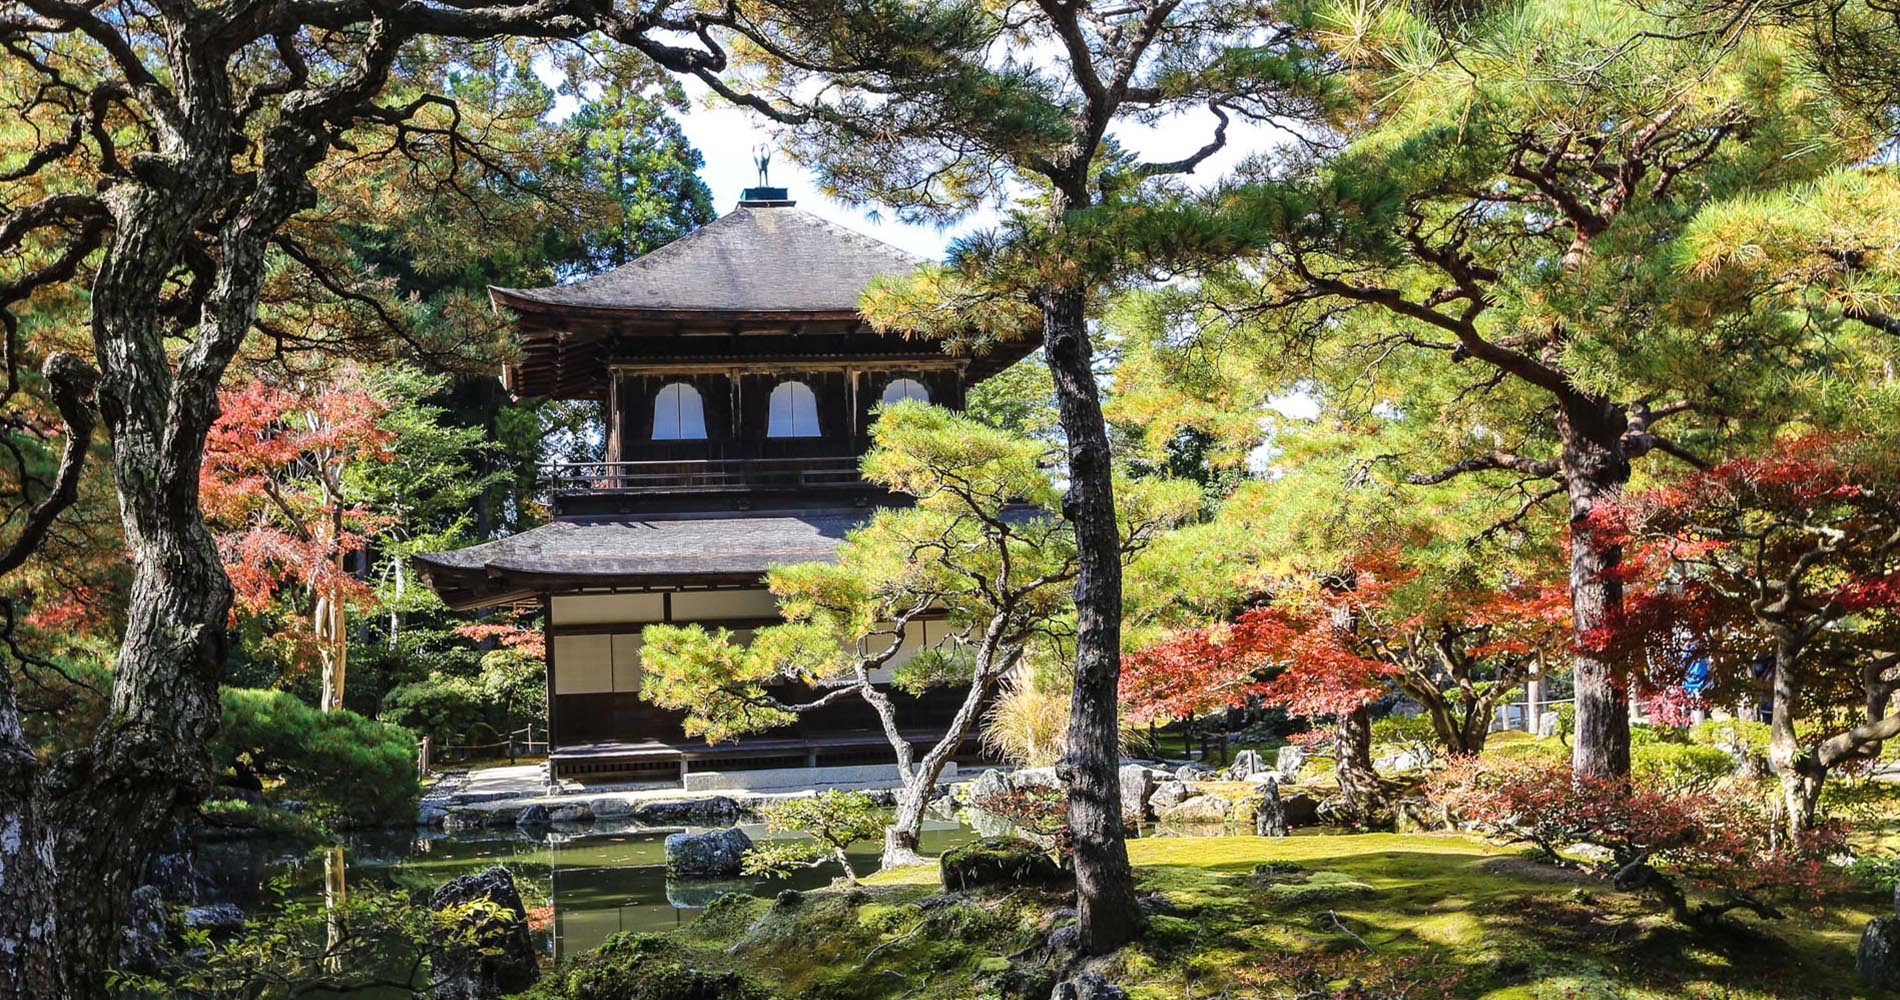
1678	766
1644	734
441	708
1878	872
1738	736
349	769
1403	730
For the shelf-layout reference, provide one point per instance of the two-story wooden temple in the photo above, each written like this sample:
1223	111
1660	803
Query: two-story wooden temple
738	382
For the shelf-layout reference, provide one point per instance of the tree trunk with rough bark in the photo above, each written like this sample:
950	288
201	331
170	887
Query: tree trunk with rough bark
1594	470
77	832
1352	763
1105	887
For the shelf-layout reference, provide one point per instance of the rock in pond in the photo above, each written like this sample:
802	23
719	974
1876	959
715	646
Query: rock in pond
1168	794
1269	813
699	893
535	815
486	952
997	861
714	810
576	812
717	854
1199	809
607	807
1137	784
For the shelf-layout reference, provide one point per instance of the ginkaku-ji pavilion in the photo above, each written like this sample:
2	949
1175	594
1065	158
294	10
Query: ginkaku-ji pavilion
738	382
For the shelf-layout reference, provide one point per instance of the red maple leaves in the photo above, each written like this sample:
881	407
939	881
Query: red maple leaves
272	487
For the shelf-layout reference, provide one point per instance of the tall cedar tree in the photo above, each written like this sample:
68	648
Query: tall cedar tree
983	555
1792	558
170	154
1481	261
939	108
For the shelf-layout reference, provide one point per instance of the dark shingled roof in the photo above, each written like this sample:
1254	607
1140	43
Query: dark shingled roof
632	550
757	258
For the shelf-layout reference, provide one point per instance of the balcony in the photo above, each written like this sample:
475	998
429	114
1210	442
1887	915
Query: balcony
738	475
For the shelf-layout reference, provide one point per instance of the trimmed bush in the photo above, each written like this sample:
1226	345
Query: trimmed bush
998	861
349	769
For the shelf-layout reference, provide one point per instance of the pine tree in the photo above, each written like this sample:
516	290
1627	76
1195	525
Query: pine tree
1487	262
940	108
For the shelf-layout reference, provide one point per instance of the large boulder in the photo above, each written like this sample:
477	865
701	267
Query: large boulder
1168	794
1878	959
1137	784
1199	809
1247	763
573	812
718	854
608	807
997	861
1026	778
484	951
1269	813
1289	761
716	810
1402	761
988	785
219	918
534	815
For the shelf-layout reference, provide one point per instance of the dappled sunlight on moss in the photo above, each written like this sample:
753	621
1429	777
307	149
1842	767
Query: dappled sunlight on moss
1226	907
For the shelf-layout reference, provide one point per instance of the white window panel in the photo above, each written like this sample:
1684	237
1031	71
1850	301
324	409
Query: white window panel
678	414
793	412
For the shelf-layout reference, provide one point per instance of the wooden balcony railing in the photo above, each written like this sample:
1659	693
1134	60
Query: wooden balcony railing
706	476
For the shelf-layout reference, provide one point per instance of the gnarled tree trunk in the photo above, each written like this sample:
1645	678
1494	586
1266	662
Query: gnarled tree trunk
1352	764
1105	888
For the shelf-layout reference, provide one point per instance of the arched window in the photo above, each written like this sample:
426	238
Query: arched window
794	412
901	389
678	414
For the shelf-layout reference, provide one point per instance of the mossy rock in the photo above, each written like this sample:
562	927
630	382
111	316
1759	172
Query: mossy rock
644	967
998	861
1317	887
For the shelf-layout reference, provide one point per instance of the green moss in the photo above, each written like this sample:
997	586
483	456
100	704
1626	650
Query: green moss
1511	928
645	967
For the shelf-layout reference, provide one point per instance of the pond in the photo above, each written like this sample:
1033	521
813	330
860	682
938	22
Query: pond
580	885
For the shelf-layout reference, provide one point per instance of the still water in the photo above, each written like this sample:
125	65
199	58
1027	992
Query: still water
580	885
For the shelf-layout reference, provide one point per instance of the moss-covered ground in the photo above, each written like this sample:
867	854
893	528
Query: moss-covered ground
1244	916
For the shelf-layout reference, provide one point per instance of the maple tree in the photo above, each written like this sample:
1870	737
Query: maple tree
1662	842
1787	564
1331	646
272	488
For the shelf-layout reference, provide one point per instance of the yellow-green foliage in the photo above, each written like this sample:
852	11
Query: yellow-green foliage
984	546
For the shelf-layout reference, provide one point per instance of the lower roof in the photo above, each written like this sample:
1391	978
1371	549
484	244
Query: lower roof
635	551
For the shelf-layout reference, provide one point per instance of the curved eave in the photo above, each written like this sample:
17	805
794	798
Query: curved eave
523	301
464	588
